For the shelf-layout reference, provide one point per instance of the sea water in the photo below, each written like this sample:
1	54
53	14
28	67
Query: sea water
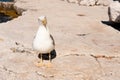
6	0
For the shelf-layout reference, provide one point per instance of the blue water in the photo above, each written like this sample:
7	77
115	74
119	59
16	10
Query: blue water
6	0
4	18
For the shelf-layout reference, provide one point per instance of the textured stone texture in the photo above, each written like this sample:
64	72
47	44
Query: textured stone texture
88	2
114	12
104	2
91	2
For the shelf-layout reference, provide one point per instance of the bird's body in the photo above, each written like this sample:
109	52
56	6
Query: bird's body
43	42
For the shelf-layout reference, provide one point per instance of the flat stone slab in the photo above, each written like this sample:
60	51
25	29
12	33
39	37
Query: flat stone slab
86	48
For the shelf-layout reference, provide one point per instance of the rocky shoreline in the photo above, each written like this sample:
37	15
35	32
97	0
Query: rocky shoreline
86	48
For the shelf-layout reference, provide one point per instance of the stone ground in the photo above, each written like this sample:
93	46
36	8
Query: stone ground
86	48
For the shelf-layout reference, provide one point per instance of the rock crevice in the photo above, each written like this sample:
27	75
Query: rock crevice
10	11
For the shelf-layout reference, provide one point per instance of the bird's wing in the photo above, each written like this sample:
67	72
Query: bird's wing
52	39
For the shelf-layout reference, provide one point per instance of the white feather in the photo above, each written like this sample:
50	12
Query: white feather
42	42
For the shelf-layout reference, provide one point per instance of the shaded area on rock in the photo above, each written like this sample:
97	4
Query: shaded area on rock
7	13
112	24
117	19
4	18
116	0
45	56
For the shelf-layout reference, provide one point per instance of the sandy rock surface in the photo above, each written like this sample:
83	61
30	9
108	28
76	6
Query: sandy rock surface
104	2
86	48
90	2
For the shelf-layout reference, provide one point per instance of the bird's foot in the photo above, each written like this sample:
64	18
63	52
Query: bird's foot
48	65
39	64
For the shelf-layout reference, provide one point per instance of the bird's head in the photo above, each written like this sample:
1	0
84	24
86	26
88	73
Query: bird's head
42	20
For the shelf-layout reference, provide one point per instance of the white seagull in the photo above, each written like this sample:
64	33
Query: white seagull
43	42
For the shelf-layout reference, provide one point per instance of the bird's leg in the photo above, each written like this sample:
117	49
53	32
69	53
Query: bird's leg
49	64
49	57
40	63
41	59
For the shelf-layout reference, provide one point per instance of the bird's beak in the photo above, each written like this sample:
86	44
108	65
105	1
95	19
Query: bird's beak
44	22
